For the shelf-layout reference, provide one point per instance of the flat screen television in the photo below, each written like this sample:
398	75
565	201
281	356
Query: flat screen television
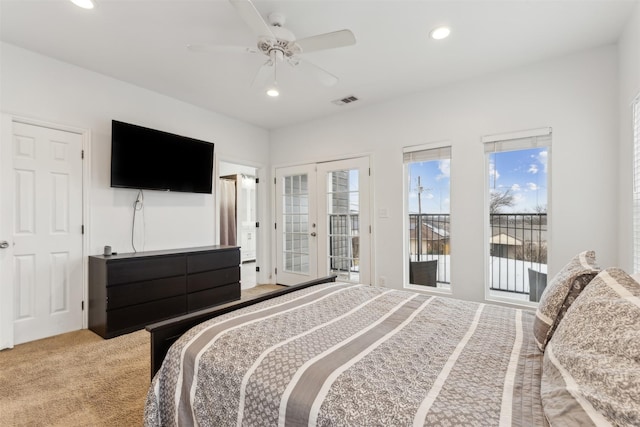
150	159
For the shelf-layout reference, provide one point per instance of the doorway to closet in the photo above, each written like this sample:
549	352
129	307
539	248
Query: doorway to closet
238	216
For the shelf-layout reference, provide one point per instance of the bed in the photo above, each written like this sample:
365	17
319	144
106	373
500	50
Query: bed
336	353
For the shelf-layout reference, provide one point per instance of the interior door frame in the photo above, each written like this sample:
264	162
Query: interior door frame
6	215
371	157
262	276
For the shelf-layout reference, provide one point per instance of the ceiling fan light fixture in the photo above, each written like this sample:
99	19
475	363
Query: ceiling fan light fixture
281	46
85	4
273	91
440	33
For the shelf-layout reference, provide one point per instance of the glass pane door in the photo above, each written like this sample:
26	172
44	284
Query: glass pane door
343	210
295	226
322	224
295	204
344	221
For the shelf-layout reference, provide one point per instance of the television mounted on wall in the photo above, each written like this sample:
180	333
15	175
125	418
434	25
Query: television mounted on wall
150	159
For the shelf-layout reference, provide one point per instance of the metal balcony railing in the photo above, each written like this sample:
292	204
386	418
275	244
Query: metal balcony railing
518	242
344	244
431	242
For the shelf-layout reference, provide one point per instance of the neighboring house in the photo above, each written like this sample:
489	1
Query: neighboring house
520	238
504	246
434	236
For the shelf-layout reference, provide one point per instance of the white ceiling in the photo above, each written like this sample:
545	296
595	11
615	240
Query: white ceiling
144	42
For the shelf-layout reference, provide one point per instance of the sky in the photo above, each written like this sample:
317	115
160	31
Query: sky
435	185
522	172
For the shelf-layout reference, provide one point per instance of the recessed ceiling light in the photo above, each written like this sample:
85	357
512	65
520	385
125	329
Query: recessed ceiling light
440	33
85	4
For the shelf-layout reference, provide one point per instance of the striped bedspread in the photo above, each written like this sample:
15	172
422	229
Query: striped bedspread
342	354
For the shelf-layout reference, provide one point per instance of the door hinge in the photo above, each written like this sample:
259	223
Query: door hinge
276	271
274	181
82	154
257	180
82	229
369	171
257	269
257	225
275	226
369	229
82	305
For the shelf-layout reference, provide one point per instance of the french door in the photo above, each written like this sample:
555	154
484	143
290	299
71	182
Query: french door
323	221
296	224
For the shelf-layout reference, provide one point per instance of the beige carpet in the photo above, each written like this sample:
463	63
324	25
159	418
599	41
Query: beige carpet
78	379
75	379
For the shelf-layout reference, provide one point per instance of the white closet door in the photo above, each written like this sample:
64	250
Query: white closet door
44	257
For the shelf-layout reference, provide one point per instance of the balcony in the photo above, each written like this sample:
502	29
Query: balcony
518	245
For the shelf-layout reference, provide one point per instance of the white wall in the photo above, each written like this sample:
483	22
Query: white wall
577	96
39	87
629	81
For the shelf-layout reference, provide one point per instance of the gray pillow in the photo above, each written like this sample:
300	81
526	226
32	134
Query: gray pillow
591	367
560	294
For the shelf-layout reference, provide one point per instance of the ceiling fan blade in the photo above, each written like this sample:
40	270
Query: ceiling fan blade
327	41
264	75
325	77
252	18
212	48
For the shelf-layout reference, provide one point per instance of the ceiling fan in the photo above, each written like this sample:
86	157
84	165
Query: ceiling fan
280	45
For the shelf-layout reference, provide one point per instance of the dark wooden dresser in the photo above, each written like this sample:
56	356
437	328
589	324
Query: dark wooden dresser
129	291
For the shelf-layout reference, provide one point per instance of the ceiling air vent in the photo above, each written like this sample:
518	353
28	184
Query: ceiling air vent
345	101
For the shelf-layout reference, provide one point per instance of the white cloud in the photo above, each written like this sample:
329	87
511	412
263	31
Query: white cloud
519	199
533	169
543	158
515	187
445	169
493	172
532	186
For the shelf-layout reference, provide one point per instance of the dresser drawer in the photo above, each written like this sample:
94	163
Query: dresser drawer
137	316
140	292
138	270
210	279
214	296
197	263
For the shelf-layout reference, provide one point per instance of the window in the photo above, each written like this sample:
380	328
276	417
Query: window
517	198
427	204
636	184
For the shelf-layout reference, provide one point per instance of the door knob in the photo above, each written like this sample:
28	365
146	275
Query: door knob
4	244
313	234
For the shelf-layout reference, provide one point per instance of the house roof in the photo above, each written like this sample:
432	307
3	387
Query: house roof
504	239
429	232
